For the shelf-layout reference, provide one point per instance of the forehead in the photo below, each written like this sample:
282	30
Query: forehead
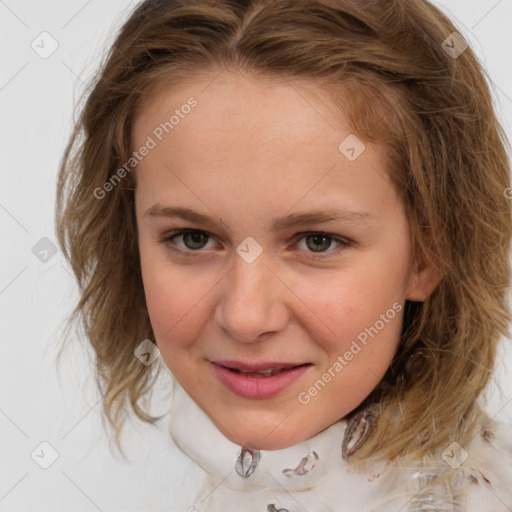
233	97
255	137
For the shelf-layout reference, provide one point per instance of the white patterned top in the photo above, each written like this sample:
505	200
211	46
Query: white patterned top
313	476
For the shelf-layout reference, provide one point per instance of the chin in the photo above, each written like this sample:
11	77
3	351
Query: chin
274	436
265	442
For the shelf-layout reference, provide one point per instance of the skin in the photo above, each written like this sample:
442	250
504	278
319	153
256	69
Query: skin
251	150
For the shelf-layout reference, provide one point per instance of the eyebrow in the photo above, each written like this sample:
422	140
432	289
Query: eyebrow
278	223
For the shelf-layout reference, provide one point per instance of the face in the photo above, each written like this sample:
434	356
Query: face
278	320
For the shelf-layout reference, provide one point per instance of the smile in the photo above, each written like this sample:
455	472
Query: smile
262	380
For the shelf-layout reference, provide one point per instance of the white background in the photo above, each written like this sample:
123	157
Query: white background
38	404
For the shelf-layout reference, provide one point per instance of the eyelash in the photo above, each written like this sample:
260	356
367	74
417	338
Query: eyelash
166	240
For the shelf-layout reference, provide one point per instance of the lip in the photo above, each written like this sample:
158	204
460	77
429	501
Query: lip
248	386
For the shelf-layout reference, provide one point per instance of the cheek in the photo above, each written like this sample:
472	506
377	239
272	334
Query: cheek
348	302
173	297
172	307
173	311
358	315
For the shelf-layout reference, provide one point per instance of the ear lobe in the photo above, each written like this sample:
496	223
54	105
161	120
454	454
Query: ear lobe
423	281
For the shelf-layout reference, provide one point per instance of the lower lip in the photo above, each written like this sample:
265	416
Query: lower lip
258	387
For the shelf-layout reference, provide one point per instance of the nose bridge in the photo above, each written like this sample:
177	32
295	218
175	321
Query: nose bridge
252	301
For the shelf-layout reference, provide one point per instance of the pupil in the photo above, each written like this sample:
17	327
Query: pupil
317	241
196	238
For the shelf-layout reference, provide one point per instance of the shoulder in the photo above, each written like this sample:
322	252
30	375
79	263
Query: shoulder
487	467
473	477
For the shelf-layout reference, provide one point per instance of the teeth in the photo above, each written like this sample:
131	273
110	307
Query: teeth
268	372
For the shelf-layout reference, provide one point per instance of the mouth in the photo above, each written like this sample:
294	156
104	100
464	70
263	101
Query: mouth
261	380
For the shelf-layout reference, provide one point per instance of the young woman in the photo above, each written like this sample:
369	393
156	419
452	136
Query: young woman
302	207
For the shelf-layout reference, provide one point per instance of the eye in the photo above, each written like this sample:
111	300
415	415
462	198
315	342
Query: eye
319	242
193	240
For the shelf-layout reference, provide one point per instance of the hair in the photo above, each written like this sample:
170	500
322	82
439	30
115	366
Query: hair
383	64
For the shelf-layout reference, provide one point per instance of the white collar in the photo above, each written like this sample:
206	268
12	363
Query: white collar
200	439
313	475
308	465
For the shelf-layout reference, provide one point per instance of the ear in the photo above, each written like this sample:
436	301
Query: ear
423	280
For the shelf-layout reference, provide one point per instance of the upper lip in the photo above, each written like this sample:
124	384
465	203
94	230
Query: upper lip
254	367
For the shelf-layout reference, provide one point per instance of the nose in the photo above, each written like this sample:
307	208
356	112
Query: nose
253	301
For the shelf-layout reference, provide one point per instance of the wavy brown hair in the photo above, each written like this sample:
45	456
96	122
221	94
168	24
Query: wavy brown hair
384	65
